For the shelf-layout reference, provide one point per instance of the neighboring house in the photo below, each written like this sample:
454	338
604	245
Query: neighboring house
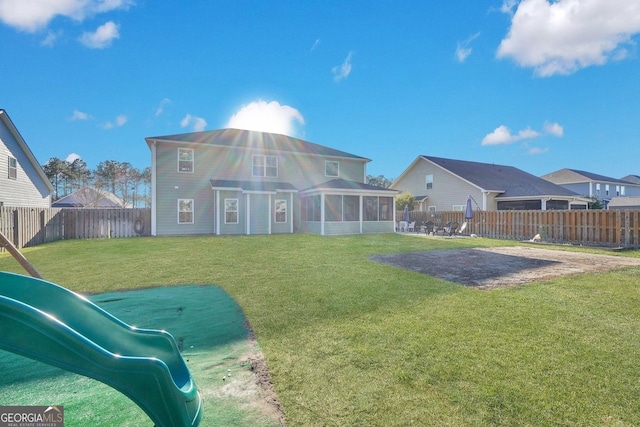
88	197
445	184
634	179
23	183
234	181
629	202
590	184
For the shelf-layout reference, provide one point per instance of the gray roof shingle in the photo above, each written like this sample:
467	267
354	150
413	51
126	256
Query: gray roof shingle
241	138
510	181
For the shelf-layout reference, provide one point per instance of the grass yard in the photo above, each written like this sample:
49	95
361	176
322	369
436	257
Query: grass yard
352	342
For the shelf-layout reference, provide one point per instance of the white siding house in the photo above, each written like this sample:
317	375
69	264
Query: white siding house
23	183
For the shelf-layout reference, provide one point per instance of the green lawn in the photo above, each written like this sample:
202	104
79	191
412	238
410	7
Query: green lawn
351	342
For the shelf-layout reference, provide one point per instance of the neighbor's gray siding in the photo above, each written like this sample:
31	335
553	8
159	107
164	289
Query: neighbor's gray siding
28	189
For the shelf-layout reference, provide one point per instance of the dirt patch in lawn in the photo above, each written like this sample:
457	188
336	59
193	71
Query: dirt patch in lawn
489	268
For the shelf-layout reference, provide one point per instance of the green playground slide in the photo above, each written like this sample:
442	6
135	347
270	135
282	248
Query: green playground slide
51	324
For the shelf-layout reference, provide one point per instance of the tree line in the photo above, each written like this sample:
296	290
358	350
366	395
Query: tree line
131	185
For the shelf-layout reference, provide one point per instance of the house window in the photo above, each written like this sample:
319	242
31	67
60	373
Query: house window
617	190
13	168
331	169
597	189
431	209
281	211
622	190
230	211
429	182
185	160
265	166
606	189
185	211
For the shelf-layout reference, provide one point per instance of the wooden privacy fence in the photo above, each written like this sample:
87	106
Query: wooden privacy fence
613	228
33	226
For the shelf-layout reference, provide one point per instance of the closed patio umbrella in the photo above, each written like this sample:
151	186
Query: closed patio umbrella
406	213
468	214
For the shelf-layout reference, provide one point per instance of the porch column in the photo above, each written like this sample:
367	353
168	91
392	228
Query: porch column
247	215
291	212
270	218
216	206
361	197
322	214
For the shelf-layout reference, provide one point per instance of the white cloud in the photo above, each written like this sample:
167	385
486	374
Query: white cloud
32	15
119	121
79	115
102	37
502	135
197	123
463	50
72	157
537	150
51	38
564	36
315	44
554	129
164	103
267	117
342	71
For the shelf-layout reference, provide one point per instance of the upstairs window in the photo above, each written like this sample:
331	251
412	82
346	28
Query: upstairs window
597	189
606	189
185	160
622	190
331	169
265	166
429	182
13	168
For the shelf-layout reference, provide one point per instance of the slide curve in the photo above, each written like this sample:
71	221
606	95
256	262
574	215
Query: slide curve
48	323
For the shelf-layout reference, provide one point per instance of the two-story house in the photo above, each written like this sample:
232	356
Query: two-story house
440	184
23	183
233	181
589	184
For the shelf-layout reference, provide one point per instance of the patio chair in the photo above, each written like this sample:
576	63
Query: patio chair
428	227
411	226
451	228
462	228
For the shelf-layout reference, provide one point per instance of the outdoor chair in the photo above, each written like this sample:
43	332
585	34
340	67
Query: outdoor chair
428	227
411	226
451	228
462	228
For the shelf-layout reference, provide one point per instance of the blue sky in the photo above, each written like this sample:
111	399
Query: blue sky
533	84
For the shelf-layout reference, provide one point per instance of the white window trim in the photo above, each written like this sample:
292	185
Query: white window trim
237	211
426	182
193	216
275	209
326	163
431	208
180	149
458	208
264	166
13	169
